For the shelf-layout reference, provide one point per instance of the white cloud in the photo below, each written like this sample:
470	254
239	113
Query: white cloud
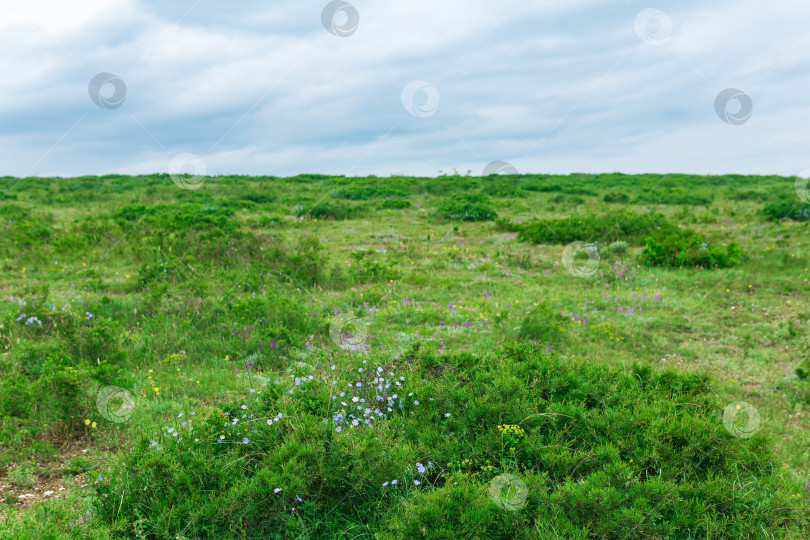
264	88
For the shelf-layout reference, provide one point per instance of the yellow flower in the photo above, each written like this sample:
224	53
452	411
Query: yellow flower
87	422
94	424
157	389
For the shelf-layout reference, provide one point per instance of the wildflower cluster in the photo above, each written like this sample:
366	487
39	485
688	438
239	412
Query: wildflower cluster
29	320
420	469
619	272
168	432
375	400
511	430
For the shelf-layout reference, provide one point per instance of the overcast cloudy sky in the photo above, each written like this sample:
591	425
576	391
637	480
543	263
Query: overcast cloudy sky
404	87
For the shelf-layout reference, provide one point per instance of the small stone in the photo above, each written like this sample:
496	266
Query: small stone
61	489
49	492
26	496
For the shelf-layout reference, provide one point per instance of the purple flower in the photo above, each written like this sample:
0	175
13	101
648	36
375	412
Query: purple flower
276	490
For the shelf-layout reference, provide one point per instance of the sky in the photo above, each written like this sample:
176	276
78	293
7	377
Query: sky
391	87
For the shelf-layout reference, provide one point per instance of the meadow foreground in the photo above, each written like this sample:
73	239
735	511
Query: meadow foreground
527	356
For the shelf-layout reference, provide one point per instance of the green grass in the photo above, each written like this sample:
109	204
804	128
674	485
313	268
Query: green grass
600	395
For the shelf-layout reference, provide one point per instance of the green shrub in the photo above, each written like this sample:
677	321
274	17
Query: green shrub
505	225
370	188
685	248
395	204
803	370
593	228
544	325
601	449
22	477
673	196
330	209
273	310
263	197
467	207
498	186
177	216
619	246
541	187
306	262
571	199
368	266
749	195
616	197
787	209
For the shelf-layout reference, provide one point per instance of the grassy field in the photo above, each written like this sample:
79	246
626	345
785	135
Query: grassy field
533	356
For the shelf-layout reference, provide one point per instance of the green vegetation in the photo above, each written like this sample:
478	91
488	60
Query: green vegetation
794	210
396	204
616	197
685	248
602	228
467	207
332	357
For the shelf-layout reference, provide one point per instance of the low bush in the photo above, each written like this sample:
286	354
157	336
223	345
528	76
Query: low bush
570	199
619	246
685	248
616	197
505	225
803	370
674	196
330	209
545	326
395	204
262	197
467	207
361	189
498	186
22	477
787	209
749	195
588	447
605	228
